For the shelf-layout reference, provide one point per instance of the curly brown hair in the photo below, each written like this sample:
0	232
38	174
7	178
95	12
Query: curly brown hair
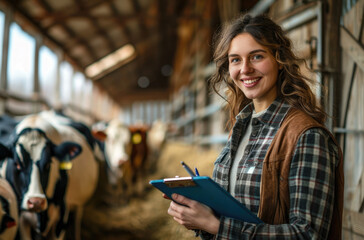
293	86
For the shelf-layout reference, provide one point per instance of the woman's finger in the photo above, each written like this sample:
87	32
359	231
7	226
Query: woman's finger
166	197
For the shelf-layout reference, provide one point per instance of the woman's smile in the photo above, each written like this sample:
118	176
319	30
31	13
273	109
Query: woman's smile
250	82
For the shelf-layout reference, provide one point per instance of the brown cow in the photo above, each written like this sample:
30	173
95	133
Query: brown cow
138	158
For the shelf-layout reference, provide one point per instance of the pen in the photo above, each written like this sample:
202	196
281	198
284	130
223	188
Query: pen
196	172
188	169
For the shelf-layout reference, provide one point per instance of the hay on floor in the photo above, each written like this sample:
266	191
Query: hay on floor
144	216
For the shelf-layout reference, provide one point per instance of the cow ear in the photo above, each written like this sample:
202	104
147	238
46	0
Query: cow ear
4	151
99	135
67	150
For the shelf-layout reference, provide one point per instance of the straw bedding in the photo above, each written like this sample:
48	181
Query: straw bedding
115	214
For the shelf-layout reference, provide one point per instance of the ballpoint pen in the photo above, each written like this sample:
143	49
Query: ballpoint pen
196	172
188	169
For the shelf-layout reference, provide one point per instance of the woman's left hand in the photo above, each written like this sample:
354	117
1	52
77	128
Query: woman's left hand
193	215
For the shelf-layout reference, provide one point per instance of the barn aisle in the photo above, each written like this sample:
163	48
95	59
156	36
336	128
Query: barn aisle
111	216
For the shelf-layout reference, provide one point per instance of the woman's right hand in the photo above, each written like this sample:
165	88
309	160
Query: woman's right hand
193	215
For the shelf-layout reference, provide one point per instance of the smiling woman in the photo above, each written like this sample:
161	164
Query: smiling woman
270	163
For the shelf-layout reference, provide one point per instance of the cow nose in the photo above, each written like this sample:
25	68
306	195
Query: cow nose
122	161
36	204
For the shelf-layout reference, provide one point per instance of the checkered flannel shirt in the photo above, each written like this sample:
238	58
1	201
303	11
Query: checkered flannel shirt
311	179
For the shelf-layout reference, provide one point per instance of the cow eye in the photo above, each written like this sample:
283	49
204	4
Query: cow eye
18	166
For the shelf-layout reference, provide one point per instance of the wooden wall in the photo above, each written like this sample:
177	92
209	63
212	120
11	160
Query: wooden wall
352	117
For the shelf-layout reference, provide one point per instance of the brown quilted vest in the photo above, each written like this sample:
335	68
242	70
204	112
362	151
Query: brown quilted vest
274	190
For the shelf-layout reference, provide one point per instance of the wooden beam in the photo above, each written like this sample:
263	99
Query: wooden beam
100	31
58	17
351	46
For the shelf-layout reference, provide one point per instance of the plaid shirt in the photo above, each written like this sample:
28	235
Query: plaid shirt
311	179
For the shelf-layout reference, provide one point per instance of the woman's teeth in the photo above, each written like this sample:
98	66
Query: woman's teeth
250	81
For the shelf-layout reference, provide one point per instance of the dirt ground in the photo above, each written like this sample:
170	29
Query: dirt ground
110	215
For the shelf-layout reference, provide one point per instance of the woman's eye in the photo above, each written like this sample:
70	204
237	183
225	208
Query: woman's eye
256	57
234	60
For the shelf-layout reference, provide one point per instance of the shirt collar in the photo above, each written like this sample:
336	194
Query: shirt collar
272	117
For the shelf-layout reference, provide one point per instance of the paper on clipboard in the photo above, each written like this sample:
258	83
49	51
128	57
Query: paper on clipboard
204	190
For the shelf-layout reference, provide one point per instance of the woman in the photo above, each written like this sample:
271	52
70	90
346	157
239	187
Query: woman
280	161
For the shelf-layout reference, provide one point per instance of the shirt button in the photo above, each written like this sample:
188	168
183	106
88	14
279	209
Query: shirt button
254	133
247	150
255	121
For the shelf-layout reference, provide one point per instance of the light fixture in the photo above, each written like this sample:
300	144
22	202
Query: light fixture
143	82
110	62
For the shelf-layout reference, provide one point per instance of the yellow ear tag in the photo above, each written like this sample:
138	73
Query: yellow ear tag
65	165
137	138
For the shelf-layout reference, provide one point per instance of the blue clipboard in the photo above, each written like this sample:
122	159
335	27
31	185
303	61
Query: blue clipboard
204	190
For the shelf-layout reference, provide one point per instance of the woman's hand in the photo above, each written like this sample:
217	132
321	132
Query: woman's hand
193	215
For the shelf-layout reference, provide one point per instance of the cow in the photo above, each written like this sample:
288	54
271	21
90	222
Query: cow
43	147
7	125
35	182
126	153
117	148
157	136
8	211
129	150
155	139
139	151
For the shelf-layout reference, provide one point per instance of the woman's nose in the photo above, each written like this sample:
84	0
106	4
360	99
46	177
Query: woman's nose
246	67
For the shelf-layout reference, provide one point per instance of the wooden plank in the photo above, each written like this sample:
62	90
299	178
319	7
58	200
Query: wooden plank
346	70
353	18
346	234
352	47
354	161
353	222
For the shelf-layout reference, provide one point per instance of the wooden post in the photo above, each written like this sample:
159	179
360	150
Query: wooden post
4	58
332	55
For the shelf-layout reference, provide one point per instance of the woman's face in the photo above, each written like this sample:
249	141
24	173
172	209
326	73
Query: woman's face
254	70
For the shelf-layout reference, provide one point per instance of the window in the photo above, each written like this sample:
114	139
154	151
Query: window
47	74
78	86
87	95
66	88
21	61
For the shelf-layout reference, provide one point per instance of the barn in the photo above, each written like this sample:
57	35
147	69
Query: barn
136	73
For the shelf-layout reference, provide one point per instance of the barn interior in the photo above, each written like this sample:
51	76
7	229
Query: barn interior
147	60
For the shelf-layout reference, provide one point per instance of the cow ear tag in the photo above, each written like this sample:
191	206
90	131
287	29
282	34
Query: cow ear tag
137	138
66	163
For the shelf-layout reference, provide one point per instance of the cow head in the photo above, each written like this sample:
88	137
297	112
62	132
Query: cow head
117	144
37	163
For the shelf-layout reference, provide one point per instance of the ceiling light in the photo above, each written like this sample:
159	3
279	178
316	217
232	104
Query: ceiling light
110	62
143	82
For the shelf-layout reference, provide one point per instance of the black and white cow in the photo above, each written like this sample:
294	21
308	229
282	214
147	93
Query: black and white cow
43	148
36	182
8	211
7	125
83	176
